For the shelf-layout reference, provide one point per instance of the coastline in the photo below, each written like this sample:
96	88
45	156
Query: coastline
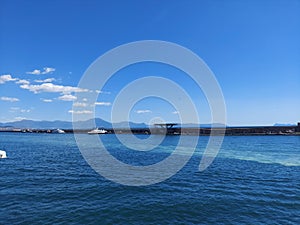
228	131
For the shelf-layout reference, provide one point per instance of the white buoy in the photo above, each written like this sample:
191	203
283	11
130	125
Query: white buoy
2	154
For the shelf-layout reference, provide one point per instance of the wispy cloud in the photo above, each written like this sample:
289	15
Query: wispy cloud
175	112
48	70
80	104
5	78
45	70
9	99
67	98
22	81
47	100
18	118
48	80
49	87
143	111
103	103
14	108
17	109
25	110
81	112
35	72
102	92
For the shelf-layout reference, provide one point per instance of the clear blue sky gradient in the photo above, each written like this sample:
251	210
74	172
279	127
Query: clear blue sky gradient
253	48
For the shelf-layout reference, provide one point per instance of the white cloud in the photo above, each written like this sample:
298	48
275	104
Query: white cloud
20	118
81	112
48	70
80	104
102	92
47	100
67	98
49	87
14	108
35	72
103	103
25	110
6	78
20	81
17	109
45	70
143	111
48	80
175	112
9	99
84	99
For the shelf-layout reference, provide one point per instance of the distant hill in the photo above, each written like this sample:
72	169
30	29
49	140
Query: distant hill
38	124
131	124
32	124
283	124
205	125
88	124
104	124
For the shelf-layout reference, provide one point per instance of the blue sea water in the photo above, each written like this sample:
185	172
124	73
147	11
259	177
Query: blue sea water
254	180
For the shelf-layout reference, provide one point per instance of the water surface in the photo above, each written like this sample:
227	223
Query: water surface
254	180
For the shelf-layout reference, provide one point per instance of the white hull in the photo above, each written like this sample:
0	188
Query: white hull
2	154
59	131
97	131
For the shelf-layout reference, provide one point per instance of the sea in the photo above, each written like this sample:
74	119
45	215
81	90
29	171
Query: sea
253	180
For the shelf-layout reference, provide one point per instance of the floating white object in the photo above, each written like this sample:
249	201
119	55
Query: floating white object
2	154
97	131
58	131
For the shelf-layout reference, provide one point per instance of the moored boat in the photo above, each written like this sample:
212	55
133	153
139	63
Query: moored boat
2	154
58	131
97	131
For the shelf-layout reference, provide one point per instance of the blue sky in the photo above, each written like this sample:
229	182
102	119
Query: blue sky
252	47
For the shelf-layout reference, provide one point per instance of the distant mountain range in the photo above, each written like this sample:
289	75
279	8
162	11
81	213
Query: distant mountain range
32	124
283	124
205	125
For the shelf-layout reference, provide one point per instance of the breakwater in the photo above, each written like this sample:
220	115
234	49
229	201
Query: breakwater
250	130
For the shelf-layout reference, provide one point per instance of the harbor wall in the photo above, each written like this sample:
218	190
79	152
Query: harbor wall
255	130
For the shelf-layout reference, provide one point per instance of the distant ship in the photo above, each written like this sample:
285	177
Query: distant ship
2	154
97	131
58	131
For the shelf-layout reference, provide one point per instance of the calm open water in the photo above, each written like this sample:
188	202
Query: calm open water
254	180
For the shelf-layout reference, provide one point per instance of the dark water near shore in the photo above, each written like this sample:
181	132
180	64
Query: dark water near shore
254	180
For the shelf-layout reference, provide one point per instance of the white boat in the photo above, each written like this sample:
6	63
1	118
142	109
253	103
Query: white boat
58	131
97	131
2	154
